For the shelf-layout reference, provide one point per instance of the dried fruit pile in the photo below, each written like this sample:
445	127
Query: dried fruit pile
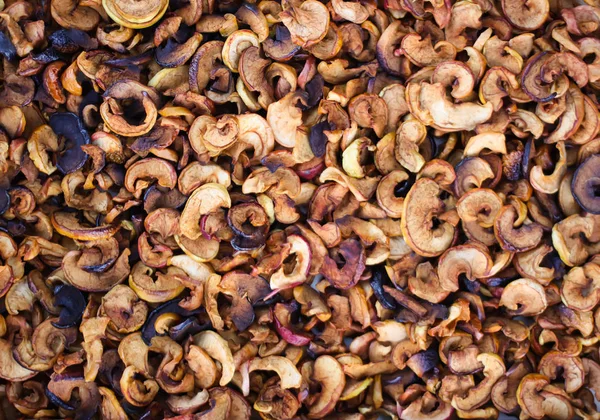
300	209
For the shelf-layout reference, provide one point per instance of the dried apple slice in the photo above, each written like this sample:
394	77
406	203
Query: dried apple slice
135	14
330	375
217	348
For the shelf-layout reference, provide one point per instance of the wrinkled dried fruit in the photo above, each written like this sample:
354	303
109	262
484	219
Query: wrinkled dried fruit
298	209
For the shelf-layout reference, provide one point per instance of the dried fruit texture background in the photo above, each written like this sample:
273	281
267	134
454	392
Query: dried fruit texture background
299	209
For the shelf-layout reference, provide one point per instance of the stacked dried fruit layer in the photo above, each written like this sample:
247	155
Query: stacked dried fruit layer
299	209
